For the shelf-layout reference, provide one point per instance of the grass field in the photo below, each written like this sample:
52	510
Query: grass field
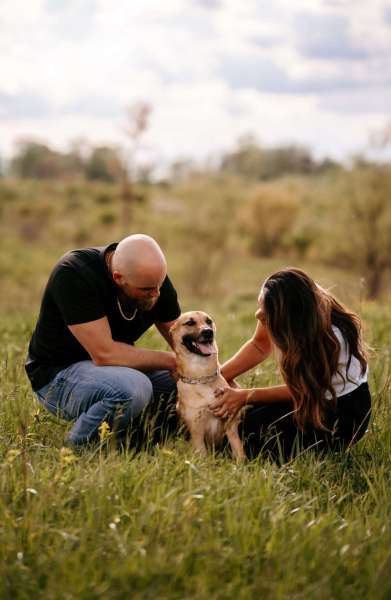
163	523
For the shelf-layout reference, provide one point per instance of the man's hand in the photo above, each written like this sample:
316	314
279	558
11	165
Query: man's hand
228	401
172	366
164	329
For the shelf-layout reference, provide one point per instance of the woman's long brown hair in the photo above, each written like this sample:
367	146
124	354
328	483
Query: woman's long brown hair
299	315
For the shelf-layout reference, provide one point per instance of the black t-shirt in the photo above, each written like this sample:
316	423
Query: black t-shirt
80	289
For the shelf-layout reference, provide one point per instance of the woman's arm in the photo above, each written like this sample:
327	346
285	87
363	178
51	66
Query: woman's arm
253	352
275	393
229	400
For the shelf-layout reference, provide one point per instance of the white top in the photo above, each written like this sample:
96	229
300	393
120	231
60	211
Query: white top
345	382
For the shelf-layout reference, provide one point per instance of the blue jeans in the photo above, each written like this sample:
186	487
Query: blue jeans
90	395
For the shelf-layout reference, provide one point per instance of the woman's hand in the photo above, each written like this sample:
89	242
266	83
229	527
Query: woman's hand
228	401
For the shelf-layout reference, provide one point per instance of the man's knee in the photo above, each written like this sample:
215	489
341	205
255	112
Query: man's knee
163	383
130	389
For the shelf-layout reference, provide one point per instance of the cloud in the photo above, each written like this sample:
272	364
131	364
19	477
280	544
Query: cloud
22	106
213	69
95	106
366	102
264	40
387	15
326	37
62	17
249	71
208	4
254	72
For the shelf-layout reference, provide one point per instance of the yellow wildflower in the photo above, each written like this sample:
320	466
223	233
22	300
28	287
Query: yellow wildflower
104	431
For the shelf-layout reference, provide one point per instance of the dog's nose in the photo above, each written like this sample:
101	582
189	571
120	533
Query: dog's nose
207	334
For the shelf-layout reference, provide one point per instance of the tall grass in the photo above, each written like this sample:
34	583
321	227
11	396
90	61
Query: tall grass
162	522
165	523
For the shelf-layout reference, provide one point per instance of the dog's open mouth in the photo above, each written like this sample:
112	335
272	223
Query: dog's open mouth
200	345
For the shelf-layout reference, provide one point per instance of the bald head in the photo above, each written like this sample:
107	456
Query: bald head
139	260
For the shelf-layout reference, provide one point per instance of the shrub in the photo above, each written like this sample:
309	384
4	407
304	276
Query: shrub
7	193
108	217
103	198
359	234
268	218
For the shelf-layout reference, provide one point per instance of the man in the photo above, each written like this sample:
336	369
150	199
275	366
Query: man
82	363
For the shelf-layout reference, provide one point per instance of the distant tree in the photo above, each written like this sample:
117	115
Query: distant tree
36	160
260	163
181	169
80	147
104	164
327	164
363	238
73	165
144	173
360	161
382	138
287	160
246	160
138	115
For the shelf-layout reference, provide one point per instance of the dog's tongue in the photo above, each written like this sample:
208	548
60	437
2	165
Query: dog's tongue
206	348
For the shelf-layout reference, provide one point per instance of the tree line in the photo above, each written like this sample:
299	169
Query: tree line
36	160
249	159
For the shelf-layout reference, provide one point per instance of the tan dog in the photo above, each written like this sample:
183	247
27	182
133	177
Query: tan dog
194	344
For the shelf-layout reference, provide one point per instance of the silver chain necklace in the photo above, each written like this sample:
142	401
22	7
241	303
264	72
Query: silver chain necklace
108	263
122	314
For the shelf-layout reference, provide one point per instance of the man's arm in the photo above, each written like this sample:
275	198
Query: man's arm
253	352
95	337
164	329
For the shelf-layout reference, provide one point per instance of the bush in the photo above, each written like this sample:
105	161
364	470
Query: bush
103	198
359	229
268	218
108	217
7	193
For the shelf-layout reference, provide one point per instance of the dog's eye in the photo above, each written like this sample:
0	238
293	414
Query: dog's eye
209	321
190	322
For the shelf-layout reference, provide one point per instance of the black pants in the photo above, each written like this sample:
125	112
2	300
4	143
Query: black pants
271	430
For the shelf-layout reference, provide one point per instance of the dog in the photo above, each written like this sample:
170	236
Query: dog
193	337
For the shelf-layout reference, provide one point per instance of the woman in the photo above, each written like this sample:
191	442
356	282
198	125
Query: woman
325	402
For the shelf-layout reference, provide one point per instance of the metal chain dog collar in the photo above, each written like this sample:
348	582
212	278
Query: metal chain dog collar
195	380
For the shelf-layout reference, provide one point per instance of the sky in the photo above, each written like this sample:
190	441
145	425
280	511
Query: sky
310	72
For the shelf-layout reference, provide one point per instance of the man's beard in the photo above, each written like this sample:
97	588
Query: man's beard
144	303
